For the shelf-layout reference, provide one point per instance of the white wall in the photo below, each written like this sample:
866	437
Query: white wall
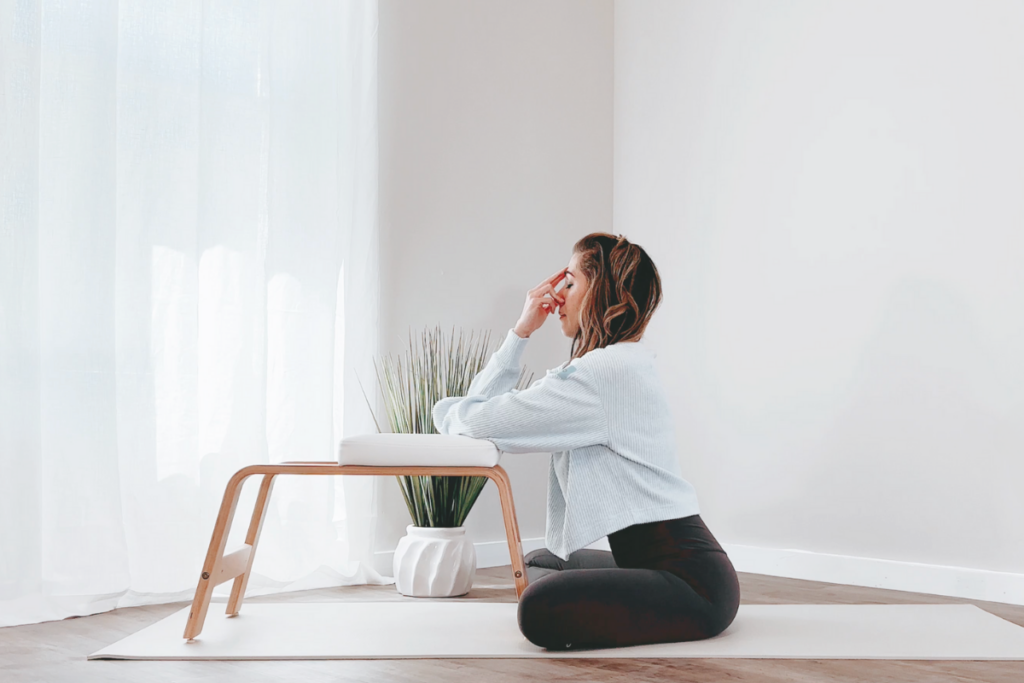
495	157
834	194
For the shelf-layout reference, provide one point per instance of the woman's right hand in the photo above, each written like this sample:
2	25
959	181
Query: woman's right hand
541	302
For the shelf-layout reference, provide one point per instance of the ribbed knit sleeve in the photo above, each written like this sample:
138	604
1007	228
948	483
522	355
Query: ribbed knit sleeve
560	412
501	373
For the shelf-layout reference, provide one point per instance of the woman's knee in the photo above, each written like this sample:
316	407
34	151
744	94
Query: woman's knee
530	615
536	616
534	554
542	557
581	559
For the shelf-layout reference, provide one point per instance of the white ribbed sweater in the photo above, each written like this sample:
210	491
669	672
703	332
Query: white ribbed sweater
605	420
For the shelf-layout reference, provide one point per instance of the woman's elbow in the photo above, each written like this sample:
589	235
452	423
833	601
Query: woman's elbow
439	418
443	426
448	424
460	428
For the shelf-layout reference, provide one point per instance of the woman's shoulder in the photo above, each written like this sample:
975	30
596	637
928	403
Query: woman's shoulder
624	355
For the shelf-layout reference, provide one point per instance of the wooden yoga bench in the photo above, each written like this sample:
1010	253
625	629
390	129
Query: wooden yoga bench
368	454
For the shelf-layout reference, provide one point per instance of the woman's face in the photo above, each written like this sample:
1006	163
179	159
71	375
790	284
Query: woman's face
574	286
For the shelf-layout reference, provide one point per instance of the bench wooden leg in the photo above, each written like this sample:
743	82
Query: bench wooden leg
218	568
515	544
252	537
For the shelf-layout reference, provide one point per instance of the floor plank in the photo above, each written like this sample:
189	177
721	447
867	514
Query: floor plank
55	651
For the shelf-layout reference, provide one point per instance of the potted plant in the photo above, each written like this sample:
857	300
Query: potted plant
434	558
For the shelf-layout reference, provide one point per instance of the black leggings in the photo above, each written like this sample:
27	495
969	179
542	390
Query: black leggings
662	582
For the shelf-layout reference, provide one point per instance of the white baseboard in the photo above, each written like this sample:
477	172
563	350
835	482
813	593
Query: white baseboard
957	582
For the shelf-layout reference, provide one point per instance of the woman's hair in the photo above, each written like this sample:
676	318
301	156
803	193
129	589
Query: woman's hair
624	289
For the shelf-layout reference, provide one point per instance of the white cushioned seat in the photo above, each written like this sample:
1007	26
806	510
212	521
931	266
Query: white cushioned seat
417	450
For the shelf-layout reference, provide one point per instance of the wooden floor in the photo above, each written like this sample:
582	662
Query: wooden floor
55	651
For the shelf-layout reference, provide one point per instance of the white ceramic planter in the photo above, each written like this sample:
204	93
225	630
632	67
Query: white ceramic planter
434	562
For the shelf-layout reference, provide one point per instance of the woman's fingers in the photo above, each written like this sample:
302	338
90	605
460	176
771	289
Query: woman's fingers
549	303
551	281
541	301
550	290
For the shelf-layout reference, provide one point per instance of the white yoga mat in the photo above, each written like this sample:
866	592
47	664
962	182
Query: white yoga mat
401	630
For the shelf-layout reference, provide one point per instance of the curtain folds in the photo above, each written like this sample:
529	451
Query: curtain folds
188	284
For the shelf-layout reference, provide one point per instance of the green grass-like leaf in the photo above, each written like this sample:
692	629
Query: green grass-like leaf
433	368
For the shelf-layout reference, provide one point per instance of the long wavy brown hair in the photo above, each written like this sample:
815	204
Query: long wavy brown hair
624	290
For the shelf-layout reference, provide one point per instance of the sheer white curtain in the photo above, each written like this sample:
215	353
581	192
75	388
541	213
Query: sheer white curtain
188	284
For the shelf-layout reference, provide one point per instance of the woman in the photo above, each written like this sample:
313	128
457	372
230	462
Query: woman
605	419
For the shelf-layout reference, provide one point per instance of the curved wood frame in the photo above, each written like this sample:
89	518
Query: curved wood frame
218	567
